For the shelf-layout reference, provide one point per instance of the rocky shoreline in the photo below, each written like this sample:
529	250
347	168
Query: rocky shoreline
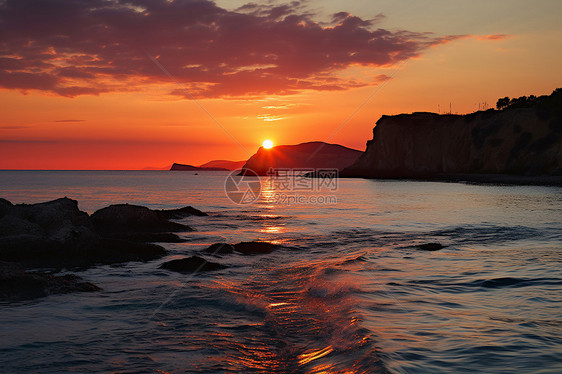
57	235
38	241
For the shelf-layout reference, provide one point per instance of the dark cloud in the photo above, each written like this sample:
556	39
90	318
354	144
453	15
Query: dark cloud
74	47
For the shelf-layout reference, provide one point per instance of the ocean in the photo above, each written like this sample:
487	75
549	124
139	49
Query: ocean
349	293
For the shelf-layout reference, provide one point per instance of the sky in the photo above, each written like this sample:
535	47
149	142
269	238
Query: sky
112	84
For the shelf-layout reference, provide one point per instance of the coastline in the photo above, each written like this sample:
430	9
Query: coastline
479	179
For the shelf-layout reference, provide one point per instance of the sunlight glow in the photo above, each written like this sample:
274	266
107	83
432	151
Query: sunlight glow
267	144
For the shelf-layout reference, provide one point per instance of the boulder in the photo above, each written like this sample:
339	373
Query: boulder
129	218
180	213
191	265
255	248
57	234
431	246
16	284
219	248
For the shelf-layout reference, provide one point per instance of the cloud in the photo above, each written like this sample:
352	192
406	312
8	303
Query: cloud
493	37
17	127
72	48
70	120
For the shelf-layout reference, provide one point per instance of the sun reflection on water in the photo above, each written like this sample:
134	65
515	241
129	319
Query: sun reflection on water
309	322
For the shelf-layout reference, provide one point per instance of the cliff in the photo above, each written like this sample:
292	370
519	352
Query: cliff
311	155
522	141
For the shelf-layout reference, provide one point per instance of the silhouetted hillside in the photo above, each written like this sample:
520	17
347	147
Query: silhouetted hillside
306	155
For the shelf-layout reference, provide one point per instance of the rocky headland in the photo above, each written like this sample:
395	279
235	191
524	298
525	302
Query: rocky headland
521	143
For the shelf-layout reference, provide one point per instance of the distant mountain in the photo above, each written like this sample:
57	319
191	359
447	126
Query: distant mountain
184	167
317	155
523	139
224	164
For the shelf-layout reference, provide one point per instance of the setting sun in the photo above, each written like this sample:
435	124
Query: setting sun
267	144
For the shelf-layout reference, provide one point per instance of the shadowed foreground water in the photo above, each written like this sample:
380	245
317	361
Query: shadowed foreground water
351	293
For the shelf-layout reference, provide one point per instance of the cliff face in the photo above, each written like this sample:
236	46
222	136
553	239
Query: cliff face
521	141
306	155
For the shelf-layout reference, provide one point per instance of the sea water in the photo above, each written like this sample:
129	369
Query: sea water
349	293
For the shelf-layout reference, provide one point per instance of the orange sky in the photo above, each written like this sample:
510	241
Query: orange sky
83	93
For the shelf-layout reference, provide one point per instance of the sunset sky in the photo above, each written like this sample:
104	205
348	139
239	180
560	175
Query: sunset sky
110	84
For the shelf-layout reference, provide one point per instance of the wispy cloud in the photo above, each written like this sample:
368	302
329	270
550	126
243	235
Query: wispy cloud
270	117
493	37
69	120
17	127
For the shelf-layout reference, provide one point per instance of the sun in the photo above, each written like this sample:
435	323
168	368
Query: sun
267	144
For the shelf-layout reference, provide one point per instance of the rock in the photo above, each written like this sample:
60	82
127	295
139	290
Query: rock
219	249
246	248
431	246
254	248
180	213
112	251
191	264
52	215
57	234
127	218
150	237
5	206
16	284
14	225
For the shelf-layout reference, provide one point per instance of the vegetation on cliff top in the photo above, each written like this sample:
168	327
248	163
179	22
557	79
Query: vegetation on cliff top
527	101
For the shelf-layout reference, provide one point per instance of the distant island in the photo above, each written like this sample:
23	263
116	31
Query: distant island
185	167
215	165
520	139
306	155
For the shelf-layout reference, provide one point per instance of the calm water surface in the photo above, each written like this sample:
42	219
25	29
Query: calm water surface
350	294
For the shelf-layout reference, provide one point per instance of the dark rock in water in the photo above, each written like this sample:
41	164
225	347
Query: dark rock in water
47	231
191	265
125	218
180	213
150	237
220	248
431	246
254	248
57	234
114	251
16	284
